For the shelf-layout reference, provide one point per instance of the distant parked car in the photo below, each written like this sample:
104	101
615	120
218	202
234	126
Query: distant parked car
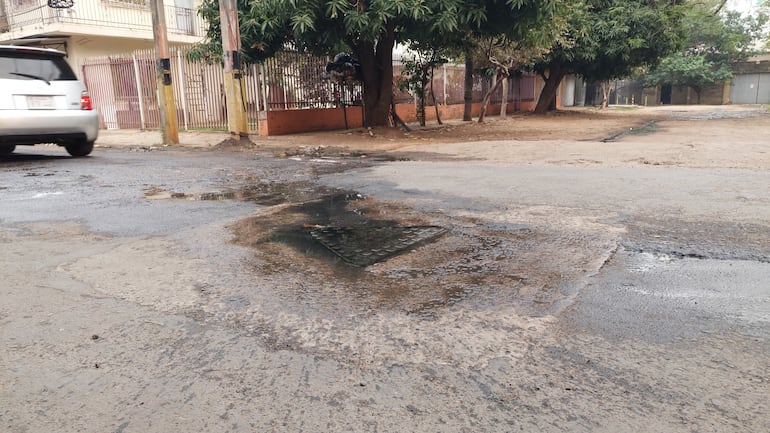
42	101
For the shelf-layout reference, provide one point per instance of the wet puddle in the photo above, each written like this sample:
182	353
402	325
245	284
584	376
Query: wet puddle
346	248
211	196
344	226
364	246
332	221
326	246
266	194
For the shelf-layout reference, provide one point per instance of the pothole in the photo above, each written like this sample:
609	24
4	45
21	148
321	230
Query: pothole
265	194
346	225
347	249
331	154
649	127
699	240
326	247
211	196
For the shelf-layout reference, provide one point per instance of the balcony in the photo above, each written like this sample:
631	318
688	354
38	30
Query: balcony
120	18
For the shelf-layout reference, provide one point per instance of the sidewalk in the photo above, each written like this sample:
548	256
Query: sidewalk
144	138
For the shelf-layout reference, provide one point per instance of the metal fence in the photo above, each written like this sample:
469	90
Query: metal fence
293	80
622	92
449	86
124	89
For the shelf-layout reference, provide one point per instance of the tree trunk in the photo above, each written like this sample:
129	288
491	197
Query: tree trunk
504	102
468	86
420	102
548	95
377	70
605	95
496	82
433	95
397	120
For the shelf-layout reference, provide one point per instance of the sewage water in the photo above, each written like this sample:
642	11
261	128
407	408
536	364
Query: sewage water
350	232
337	247
364	246
346	249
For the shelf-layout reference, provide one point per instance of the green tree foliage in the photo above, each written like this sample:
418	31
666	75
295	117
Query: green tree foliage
688	71
501	46
500	57
369	29
609	40
764	8
417	78
715	40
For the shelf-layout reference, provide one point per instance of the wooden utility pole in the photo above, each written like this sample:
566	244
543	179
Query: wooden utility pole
237	122
168	124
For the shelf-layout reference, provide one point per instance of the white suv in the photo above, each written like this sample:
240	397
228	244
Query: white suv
42	101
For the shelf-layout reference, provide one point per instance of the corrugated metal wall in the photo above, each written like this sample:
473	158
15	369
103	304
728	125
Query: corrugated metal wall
750	89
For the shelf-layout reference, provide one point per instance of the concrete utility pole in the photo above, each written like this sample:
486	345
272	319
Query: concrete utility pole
237	122
169	128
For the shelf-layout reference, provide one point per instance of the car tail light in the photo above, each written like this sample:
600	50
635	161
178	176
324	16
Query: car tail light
85	102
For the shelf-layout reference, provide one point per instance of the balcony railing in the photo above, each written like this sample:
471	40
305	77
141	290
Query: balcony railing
133	15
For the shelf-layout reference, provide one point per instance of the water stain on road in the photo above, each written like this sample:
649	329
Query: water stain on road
382	255
379	255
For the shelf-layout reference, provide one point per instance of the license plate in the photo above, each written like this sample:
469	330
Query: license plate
38	101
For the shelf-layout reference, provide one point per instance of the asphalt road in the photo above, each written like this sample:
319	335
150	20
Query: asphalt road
156	291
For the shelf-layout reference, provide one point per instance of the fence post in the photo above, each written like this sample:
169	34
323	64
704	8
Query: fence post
182	97
445	84
263	82
139	94
285	95
255	84
257	93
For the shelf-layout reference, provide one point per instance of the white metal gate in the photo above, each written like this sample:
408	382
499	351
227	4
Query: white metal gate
124	91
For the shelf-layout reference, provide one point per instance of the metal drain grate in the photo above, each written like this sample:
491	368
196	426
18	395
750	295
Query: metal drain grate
363	246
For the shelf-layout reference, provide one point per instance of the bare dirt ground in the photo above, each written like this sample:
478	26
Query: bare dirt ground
688	136
703	136
543	309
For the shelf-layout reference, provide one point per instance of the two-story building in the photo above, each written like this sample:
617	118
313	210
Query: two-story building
94	28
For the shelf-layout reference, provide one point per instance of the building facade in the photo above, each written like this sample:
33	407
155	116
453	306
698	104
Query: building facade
96	28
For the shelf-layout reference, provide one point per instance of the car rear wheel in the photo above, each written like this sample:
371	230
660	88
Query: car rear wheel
6	149
81	148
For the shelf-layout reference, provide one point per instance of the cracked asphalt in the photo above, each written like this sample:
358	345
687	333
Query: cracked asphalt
577	286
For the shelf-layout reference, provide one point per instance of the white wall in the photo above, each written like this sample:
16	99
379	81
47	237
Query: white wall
80	48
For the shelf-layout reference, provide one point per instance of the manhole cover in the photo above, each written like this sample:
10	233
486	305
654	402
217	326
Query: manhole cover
363	246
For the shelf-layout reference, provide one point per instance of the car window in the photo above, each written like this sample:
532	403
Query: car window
31	66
